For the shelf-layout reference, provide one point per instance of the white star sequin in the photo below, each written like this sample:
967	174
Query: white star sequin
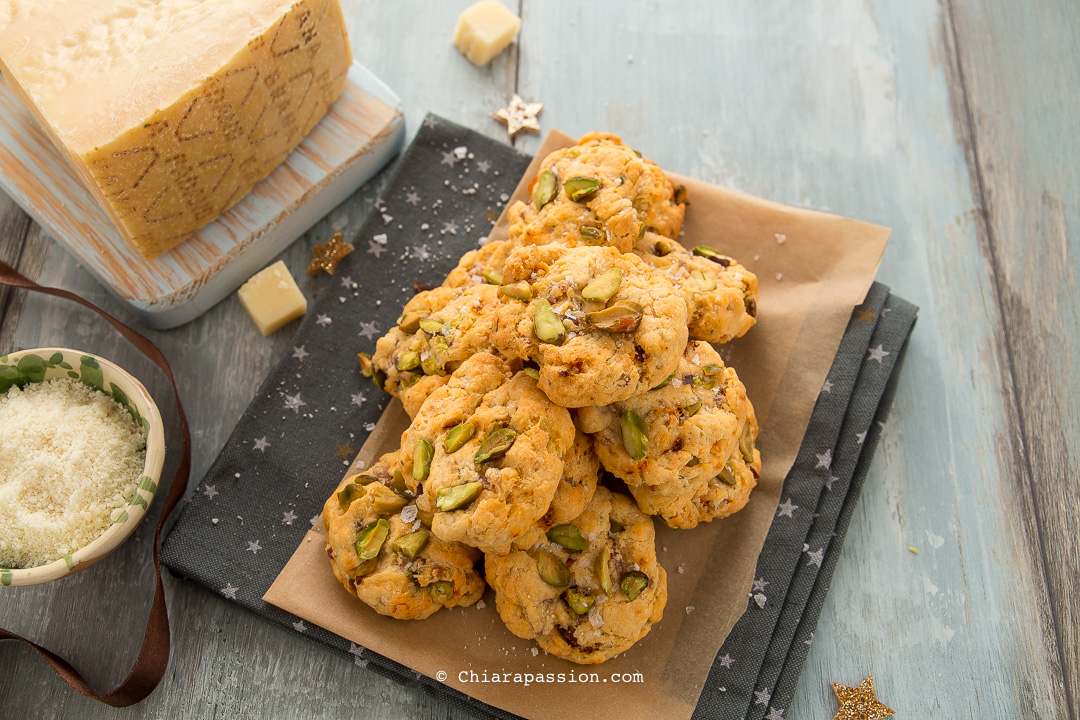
725	662
261	444
288	517
827	387
448	158
358	399
368	330
375	248
300	353
421	252
786	509
253	547
824	460
412	198
759	585
323	320
762	697
299	626
483	166
816	557
229	591
294	403
450	227
861	437
210	491
877	353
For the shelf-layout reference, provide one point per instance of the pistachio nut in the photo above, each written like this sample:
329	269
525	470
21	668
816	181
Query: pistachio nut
633	583
604	286
546	188
704	282
635	435
663	247
410	545
546	324
592	235
458	436
347	494
367	368
727	476
623	316
385	501
580	602
568	536
667	381
431	326
409	360
603	570
410	322
517	291
552	570
400	487
423	452
680	194
581	188
642	227
365	568
693	462
492	277
693	408
370	540
746	444
457	497
495	445
751	306
712	254
532	372
442	590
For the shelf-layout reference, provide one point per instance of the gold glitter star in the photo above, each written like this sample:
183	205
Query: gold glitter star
328	254
344	451
866	315
859	703
519	115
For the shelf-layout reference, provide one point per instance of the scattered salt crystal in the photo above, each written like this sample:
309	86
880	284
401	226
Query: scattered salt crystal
780	238
408	513
760	600
215	521
387	219
689	609
425	226
480	604
681	570
676	382
416	525
779	276
534	652
460	152
380	238
595	618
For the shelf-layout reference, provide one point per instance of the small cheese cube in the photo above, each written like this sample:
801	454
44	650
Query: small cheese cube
271	298
484	30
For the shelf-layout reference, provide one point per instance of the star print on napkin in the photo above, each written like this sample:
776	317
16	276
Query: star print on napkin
519	115
859	703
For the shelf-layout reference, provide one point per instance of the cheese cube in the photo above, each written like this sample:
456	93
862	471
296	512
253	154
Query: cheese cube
271	298
484	30
170	111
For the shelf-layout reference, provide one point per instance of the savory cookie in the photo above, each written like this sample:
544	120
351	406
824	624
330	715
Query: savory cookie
721	295
587	590
601	326
598	192
483	265
678	435
438	330
715	497
382	553
581	471
485	453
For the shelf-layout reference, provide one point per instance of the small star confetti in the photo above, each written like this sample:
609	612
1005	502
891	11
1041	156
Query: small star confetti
412	198
294	403
859	703
866	315
288	517
323	320
483	166
450	227
358	399
300	353
421	252
375	249
726	661
329	254
229	591
519	115
299	626
344	451
368	330
253	546
261	444
430	121
448	158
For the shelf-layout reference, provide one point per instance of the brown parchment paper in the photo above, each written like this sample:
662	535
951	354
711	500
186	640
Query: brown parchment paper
813	268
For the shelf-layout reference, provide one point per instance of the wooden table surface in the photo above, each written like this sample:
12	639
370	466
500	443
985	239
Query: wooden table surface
949	121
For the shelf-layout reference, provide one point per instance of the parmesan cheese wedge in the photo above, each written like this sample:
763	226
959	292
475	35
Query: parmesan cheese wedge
171	111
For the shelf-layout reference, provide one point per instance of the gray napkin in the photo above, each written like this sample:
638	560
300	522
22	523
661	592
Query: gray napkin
267	487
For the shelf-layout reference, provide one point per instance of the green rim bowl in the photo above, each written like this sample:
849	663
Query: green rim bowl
30	366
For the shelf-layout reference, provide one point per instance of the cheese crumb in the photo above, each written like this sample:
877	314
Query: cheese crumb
69	461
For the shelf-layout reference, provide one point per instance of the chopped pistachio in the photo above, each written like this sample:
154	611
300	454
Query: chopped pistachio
641	231
552	570
546	324
458	436
568	536
604	286
408	380
616	526
746	444
400	487
409	360
385	501
693	408
663	247
727	476
546	188
712	254
423	452
581	188
348	494
425	517
442	590
623	316
633	583
410	545
493	277
603	570
457	497
370	540
592	235
751	306
532	372
704	282
495	445
410	322
365	568
680	194
667	381
431	326
367	369
517	291
580	602
712	369
635	435
693	462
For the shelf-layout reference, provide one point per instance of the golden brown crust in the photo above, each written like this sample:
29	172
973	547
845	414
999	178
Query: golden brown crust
591	366
532	608
473	264
391	583
518	487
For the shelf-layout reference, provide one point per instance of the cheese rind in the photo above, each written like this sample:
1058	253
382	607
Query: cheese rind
172	110
272	298
484	30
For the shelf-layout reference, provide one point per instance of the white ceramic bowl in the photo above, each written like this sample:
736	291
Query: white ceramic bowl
29	366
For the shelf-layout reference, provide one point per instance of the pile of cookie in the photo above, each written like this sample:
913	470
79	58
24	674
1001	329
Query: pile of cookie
581	341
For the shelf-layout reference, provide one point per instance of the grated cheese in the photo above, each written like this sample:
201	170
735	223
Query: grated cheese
70	458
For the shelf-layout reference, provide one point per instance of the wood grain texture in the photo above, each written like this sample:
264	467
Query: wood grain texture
945	120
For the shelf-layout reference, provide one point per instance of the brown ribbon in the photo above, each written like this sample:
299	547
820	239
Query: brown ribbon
153	657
